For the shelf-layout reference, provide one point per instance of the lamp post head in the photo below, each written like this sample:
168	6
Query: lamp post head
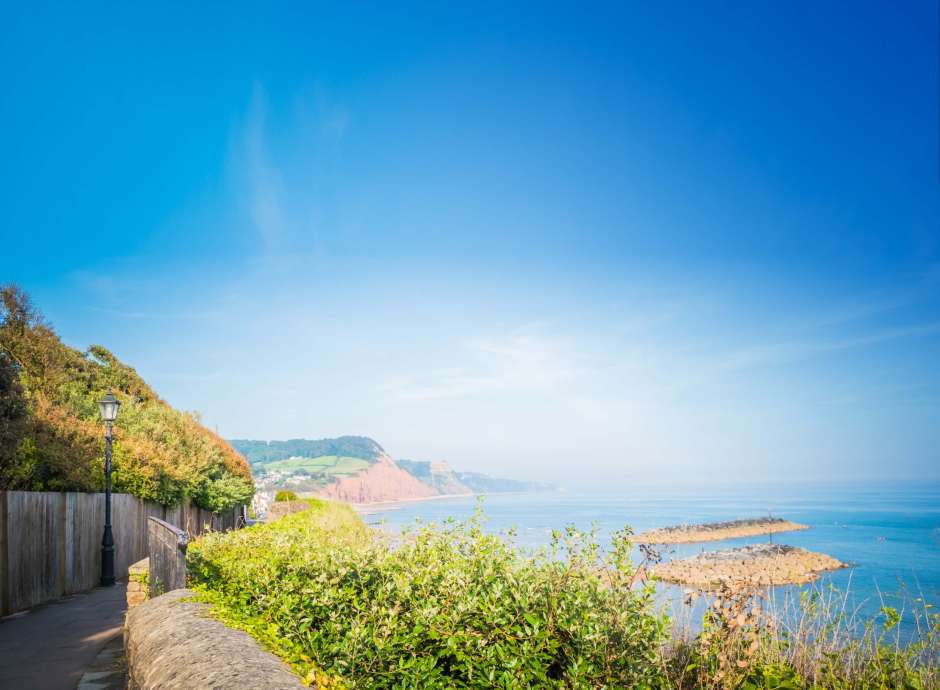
108	406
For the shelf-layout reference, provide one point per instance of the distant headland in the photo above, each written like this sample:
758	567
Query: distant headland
356	469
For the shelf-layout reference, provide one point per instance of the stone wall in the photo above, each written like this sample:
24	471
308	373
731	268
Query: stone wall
171	644
167	561
138	583
50	542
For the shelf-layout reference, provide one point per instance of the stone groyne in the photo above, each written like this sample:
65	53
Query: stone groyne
755	565
716	531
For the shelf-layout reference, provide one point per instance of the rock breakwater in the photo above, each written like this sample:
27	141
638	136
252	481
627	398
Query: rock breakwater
754	565
716	531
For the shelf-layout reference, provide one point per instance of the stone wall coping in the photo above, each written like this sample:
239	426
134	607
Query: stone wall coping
171	643
182	536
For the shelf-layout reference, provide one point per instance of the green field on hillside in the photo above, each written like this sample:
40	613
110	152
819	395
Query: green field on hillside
333	465
260	453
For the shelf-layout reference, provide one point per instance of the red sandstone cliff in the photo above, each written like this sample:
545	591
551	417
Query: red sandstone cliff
382	481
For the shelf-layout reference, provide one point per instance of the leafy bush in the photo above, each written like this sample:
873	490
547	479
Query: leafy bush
454	607
51	436
222	492
443	608
812	640
285	495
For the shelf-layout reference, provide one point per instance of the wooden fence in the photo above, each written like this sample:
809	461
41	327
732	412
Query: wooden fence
50	542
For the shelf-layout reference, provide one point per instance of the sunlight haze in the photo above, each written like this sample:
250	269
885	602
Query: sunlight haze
580	249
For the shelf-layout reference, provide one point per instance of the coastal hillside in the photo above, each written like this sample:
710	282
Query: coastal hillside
436	474
51	435
261	454
358	470
382	481
484	484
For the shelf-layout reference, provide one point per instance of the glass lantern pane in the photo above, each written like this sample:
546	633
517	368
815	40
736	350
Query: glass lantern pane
109	408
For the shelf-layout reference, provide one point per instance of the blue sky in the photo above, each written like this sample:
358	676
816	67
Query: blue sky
697	242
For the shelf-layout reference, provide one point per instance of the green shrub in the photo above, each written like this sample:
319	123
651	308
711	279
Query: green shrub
225	491
444	607
453	607
284	495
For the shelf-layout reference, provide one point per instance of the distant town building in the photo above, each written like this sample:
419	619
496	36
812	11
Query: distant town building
260	503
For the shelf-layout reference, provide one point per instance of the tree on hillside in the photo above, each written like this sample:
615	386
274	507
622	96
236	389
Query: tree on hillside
25	337
53	441
14	419
41	450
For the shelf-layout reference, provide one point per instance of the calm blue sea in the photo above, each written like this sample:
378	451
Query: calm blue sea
890	534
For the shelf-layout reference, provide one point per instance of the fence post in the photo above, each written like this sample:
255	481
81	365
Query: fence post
63	541
4	556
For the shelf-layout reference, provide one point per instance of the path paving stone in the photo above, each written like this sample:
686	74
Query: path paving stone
108	670
51	646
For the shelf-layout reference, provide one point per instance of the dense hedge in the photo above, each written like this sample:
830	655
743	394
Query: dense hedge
445	608
456	608
51	435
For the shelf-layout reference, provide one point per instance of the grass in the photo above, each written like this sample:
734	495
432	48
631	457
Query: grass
333	517
813	639
333	465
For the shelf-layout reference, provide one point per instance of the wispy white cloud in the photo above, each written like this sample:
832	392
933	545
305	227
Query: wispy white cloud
782	352
139	315
266	188
514	362
186	377
652	384
334	124
283	170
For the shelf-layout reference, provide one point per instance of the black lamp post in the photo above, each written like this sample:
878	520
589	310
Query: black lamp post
108	406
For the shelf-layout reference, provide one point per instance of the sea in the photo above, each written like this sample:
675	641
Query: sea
888	534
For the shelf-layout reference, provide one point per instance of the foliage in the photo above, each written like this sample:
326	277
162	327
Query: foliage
813	641
53	441
14	422
285	495
445	607
260	453
222	492
453	607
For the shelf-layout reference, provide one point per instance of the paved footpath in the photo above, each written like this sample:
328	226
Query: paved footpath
50	647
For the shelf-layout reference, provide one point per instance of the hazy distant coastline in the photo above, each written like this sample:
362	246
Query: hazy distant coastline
357	470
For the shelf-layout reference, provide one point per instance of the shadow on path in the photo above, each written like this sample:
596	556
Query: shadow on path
50	646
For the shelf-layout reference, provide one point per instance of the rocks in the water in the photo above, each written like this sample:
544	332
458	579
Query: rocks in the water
715	531
754	565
